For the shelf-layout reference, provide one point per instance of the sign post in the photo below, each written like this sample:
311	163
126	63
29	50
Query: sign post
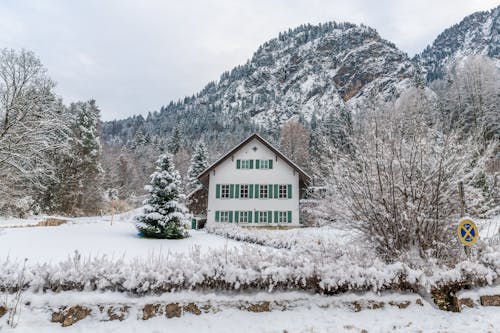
467	233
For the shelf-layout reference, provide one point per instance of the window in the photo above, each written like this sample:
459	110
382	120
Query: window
264	192
246	164
283	194
225	191
224	216
264	164
244	191
244	217
282	217
263	217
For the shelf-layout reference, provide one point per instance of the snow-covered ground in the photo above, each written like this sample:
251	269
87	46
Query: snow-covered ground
305	313
93	236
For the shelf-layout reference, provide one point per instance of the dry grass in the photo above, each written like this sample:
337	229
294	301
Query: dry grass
50	222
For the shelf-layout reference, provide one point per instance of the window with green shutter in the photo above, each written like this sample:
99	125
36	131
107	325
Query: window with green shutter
263	191
224	216
289	216
256	188
263	217
230	216
270	191
217	216
237	191
276	216
289	191
236	216
250	191
244	191
270	164
251	164
257	164
217	191
249	216
269	216
256	217
231	191
276	191
238	164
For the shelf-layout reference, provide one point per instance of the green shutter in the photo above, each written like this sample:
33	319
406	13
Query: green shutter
237	191
217	216
269	216
238	164
276	191
231	191
251	164
276	219
236	216
289	191
231	216
256	186
256	217
289	217
270	164
250	191
249	216
257	164
270	191
217	191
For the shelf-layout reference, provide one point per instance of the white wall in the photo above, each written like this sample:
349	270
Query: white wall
281	173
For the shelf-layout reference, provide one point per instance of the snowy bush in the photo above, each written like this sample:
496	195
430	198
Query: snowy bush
400	186
251	267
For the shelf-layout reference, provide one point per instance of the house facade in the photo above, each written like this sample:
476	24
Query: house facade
254	185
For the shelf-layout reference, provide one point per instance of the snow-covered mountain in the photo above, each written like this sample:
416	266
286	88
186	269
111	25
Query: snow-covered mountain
312	69
306	71
476	34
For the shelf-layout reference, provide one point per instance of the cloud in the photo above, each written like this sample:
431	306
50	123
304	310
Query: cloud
134	56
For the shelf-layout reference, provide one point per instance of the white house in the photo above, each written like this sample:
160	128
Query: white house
254	185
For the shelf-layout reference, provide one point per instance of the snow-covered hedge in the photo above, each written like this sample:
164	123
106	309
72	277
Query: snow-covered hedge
248	267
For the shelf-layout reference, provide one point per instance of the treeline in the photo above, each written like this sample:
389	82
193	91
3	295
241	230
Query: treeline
49	152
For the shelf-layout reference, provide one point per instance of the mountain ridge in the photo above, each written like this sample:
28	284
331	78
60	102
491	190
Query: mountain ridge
307	72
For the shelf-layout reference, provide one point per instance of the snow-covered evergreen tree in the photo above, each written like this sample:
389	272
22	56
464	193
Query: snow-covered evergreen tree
199	162
163	214
174	144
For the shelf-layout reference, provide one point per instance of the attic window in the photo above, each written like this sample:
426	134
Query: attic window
254	148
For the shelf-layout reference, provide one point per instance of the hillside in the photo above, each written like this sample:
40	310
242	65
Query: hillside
305	71
476	34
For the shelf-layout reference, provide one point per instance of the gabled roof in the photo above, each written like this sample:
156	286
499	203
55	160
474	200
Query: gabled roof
303	176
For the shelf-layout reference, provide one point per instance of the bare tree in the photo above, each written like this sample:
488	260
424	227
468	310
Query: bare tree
294	143
400	186
31	125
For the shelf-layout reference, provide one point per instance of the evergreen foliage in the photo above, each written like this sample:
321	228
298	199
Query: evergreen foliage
199	162
163	215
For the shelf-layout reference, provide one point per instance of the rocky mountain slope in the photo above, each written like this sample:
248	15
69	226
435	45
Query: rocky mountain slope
478	33
310	70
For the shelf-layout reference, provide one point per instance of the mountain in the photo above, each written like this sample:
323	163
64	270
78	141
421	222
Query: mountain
310	70
476	34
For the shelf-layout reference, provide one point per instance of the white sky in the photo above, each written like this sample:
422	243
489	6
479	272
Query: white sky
134	56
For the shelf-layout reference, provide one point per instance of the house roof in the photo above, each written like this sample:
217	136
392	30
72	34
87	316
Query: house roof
303	176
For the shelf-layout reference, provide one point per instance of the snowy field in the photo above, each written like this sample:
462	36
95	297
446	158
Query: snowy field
93	236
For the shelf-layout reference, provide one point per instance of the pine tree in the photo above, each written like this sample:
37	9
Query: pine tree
199	162
163	214
174	144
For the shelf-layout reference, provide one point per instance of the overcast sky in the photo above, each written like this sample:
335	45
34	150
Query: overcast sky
134	56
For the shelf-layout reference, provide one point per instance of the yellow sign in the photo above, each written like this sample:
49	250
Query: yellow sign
467	232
